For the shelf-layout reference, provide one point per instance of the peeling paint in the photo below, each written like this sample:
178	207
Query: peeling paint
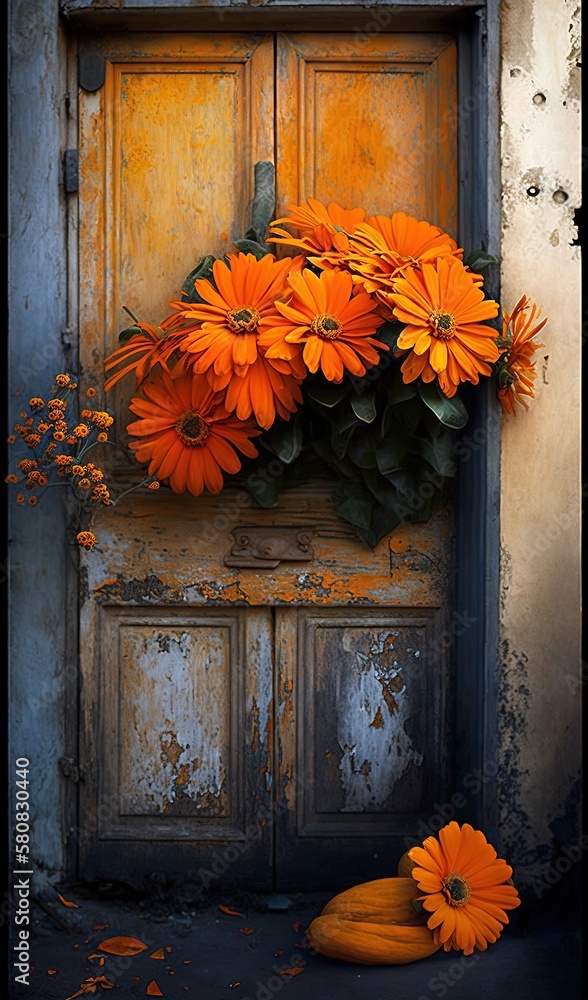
374	743
180	675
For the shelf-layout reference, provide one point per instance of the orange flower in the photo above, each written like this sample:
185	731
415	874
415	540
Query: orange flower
336	327
467	888
383	247
223	336
443	308
140	354
516	372
324	231
186	434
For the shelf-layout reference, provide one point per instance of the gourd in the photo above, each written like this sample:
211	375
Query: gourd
405	866
373	923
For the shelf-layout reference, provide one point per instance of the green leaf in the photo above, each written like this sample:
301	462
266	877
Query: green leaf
326	393
266	493
440	455
340	441
357	509
385	493
131	331
258	250
477	260
400	390
203	269
389	333
362	450
384	520
390	455
364	407
410	413
253	235
287	441
343	418
451	412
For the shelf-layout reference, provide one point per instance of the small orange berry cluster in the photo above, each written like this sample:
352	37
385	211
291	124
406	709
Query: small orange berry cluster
59	443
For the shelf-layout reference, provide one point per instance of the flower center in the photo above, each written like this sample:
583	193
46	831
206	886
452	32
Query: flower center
243	320
456	889
326	326
191	428
443	325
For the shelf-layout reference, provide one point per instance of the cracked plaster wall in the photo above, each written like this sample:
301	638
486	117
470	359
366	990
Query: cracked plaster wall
540	659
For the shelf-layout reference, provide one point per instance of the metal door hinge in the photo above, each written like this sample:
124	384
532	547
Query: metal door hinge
70	769
71	176
91	71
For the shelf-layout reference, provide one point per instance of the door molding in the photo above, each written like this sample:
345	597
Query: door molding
478	496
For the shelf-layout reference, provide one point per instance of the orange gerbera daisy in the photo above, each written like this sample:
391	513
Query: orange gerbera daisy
516	372
221	337
186	435
336	327
324	230
443	308
467	887
383	247
141	353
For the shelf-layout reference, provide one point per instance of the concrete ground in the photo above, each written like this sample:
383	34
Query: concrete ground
212	955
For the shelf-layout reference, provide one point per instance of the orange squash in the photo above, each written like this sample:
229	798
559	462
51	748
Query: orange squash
383	901
405	866
374	923
369	943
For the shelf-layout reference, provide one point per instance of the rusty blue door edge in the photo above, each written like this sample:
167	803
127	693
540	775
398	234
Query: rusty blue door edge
44	712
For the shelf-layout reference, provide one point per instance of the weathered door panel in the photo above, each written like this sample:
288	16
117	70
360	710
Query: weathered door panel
178	737
369	123
181	659
167	148
363	732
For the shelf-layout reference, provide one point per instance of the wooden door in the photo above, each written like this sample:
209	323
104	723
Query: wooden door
287	725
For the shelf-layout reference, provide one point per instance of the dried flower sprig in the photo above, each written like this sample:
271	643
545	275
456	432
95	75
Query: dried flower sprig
59	437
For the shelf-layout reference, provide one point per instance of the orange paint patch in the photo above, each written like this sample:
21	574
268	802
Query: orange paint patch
399	543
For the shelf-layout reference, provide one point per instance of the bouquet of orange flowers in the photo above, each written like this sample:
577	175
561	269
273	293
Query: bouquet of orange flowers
344	359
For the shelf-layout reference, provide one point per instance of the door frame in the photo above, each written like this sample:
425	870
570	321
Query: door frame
476	25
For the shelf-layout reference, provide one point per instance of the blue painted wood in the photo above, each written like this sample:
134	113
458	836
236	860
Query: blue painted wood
38	549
